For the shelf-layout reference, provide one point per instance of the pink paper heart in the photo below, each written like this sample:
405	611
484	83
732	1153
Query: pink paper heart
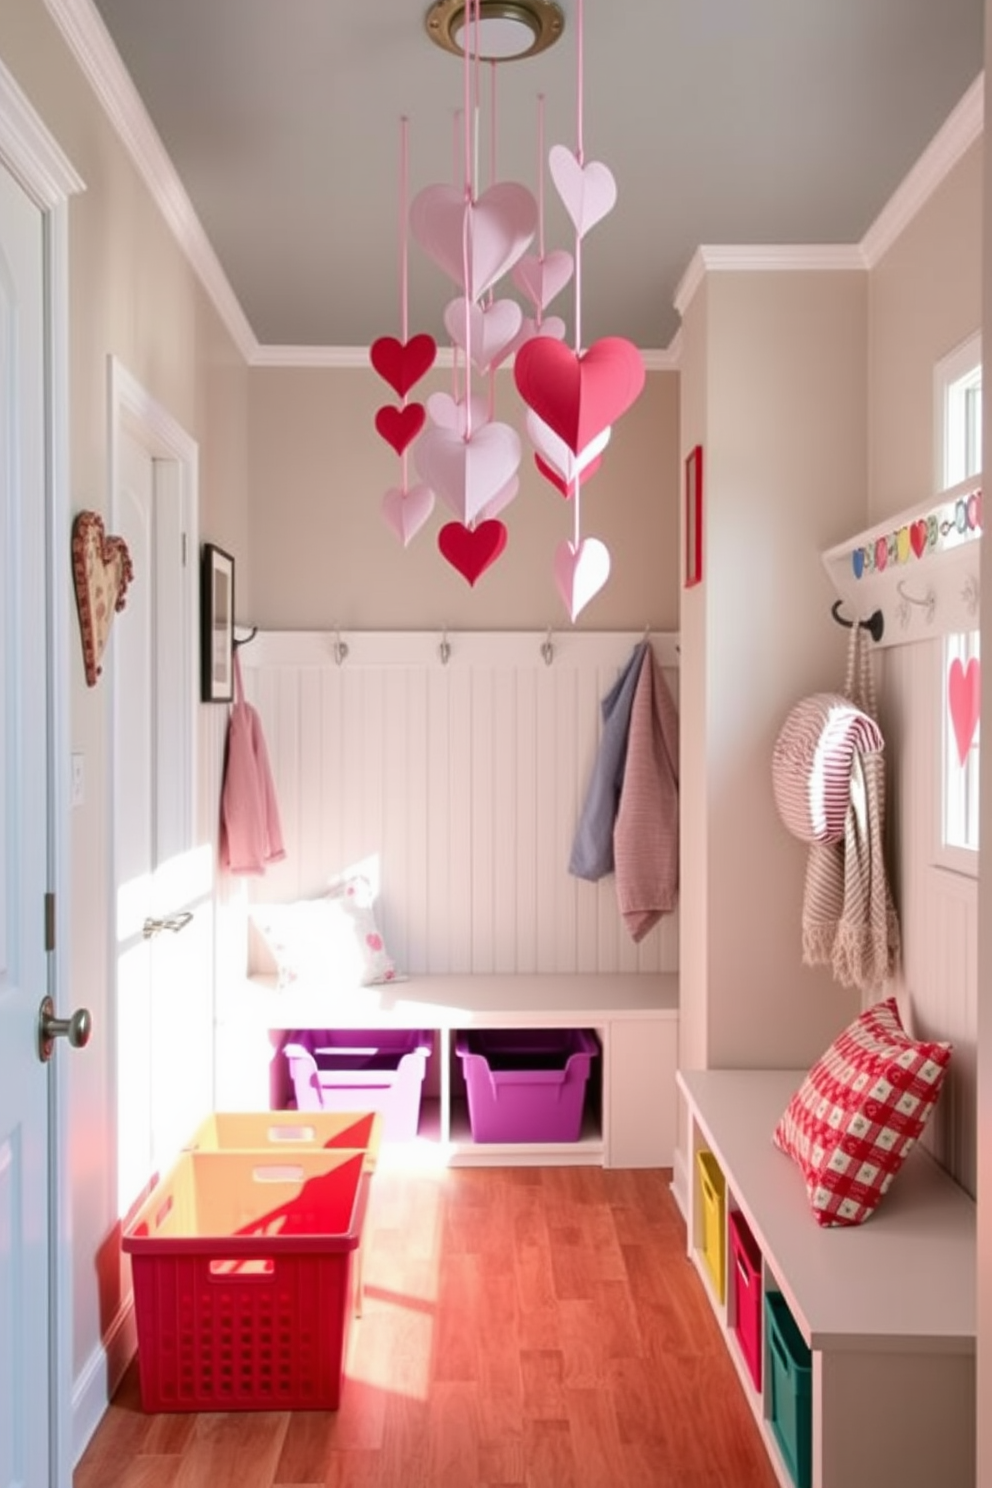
449	413
553	327
491	327
580	572
472	550
964	697
556	453
500	500
540	279
579	394
501	224
468	473
558	481
403	363
400	426
588	192
407	511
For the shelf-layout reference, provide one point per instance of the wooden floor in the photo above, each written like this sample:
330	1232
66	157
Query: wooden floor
527	1328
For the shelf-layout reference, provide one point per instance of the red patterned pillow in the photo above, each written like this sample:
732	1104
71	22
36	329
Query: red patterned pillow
859	1111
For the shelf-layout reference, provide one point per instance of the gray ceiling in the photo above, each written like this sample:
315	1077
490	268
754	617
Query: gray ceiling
723	122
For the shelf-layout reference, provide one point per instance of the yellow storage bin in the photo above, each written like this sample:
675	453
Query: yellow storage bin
713	1192
297	1131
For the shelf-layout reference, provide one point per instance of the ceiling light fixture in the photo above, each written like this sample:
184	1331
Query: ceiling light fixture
508	30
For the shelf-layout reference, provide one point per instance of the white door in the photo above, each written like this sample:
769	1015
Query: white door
24	1080
164	1007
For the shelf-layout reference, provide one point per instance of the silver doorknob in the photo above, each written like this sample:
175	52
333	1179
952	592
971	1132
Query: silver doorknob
76	1029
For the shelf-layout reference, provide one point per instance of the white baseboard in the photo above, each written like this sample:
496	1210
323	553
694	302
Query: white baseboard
679	1184
101	1374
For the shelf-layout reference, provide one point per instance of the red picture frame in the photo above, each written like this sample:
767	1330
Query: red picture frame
694	516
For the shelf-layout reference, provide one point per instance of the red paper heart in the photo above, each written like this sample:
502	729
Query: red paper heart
578	395
400	426
918	537
964	698
472	550
403	363
559	482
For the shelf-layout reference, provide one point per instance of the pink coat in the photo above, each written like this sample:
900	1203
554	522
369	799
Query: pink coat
251	832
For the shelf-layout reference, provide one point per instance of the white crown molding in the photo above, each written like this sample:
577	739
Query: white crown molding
350	357
776	258
87	37
30	152
963	127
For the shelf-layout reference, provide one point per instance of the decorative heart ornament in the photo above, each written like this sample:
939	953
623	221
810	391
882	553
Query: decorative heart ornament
449	413
470	550
556	453
101	571
902	544
578	395
858	562
918	537
500	500
580	572
468	473
964	698
400	426
553	326
540	279
499	228
490	330
558	480
407	511
588	192
403	363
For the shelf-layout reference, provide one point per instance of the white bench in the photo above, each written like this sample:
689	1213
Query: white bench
634	1014
888	1308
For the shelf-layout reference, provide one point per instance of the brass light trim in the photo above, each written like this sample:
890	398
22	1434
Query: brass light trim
543	18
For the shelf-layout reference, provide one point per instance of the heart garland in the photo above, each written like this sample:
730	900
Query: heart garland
471	550
101	572
403	363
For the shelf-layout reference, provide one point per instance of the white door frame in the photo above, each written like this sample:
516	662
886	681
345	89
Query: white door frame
35	159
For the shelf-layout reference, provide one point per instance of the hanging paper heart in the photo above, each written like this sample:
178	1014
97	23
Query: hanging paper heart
101	572
403	363
588	192
472	550
580	572
400	426
491	328
579	394
964	698
556	453
918	537
540	279
500	500
553	327
501	224
468	473
449	413
407	511
559	481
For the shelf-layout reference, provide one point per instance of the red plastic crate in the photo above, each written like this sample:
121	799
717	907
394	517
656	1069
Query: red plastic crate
745	1268
243	1280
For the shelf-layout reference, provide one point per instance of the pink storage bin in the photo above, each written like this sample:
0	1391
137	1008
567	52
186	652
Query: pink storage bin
745	1269
362	1069
526	1085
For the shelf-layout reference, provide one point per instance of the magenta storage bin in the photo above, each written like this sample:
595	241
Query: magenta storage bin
362	1069
526	1085
745	1271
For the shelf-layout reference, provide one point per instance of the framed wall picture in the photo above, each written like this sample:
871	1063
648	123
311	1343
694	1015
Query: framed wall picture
216	625
694	516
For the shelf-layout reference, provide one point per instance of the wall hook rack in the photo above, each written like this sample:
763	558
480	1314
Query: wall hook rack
874	625
243	640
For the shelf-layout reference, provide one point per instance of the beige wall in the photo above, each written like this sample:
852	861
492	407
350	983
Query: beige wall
925	298
133	295
322	556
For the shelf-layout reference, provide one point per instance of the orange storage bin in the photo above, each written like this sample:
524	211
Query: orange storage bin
282	1131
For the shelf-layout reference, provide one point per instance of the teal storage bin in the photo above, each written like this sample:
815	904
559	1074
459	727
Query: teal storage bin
790	1380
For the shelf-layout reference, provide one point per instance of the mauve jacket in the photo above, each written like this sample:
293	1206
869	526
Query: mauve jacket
251	832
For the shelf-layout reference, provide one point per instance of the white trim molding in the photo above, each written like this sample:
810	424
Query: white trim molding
351	357
775	258
30	152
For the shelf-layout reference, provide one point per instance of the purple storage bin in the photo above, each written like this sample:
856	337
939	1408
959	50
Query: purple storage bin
526	1084
362	1069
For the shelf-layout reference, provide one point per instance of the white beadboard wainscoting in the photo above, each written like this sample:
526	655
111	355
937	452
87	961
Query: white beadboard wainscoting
456	767
938	908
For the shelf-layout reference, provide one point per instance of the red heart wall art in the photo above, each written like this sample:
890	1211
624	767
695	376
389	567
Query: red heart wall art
400	426
964	698
579	394
472	550
403	363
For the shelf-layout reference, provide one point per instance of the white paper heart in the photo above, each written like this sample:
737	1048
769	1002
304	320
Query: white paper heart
468	473
540	279
581	572
588	192
449	413
553	326
407	511
500	500
491	328
556	453
501	224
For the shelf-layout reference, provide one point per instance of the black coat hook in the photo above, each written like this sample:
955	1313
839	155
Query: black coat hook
874	625
243	640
